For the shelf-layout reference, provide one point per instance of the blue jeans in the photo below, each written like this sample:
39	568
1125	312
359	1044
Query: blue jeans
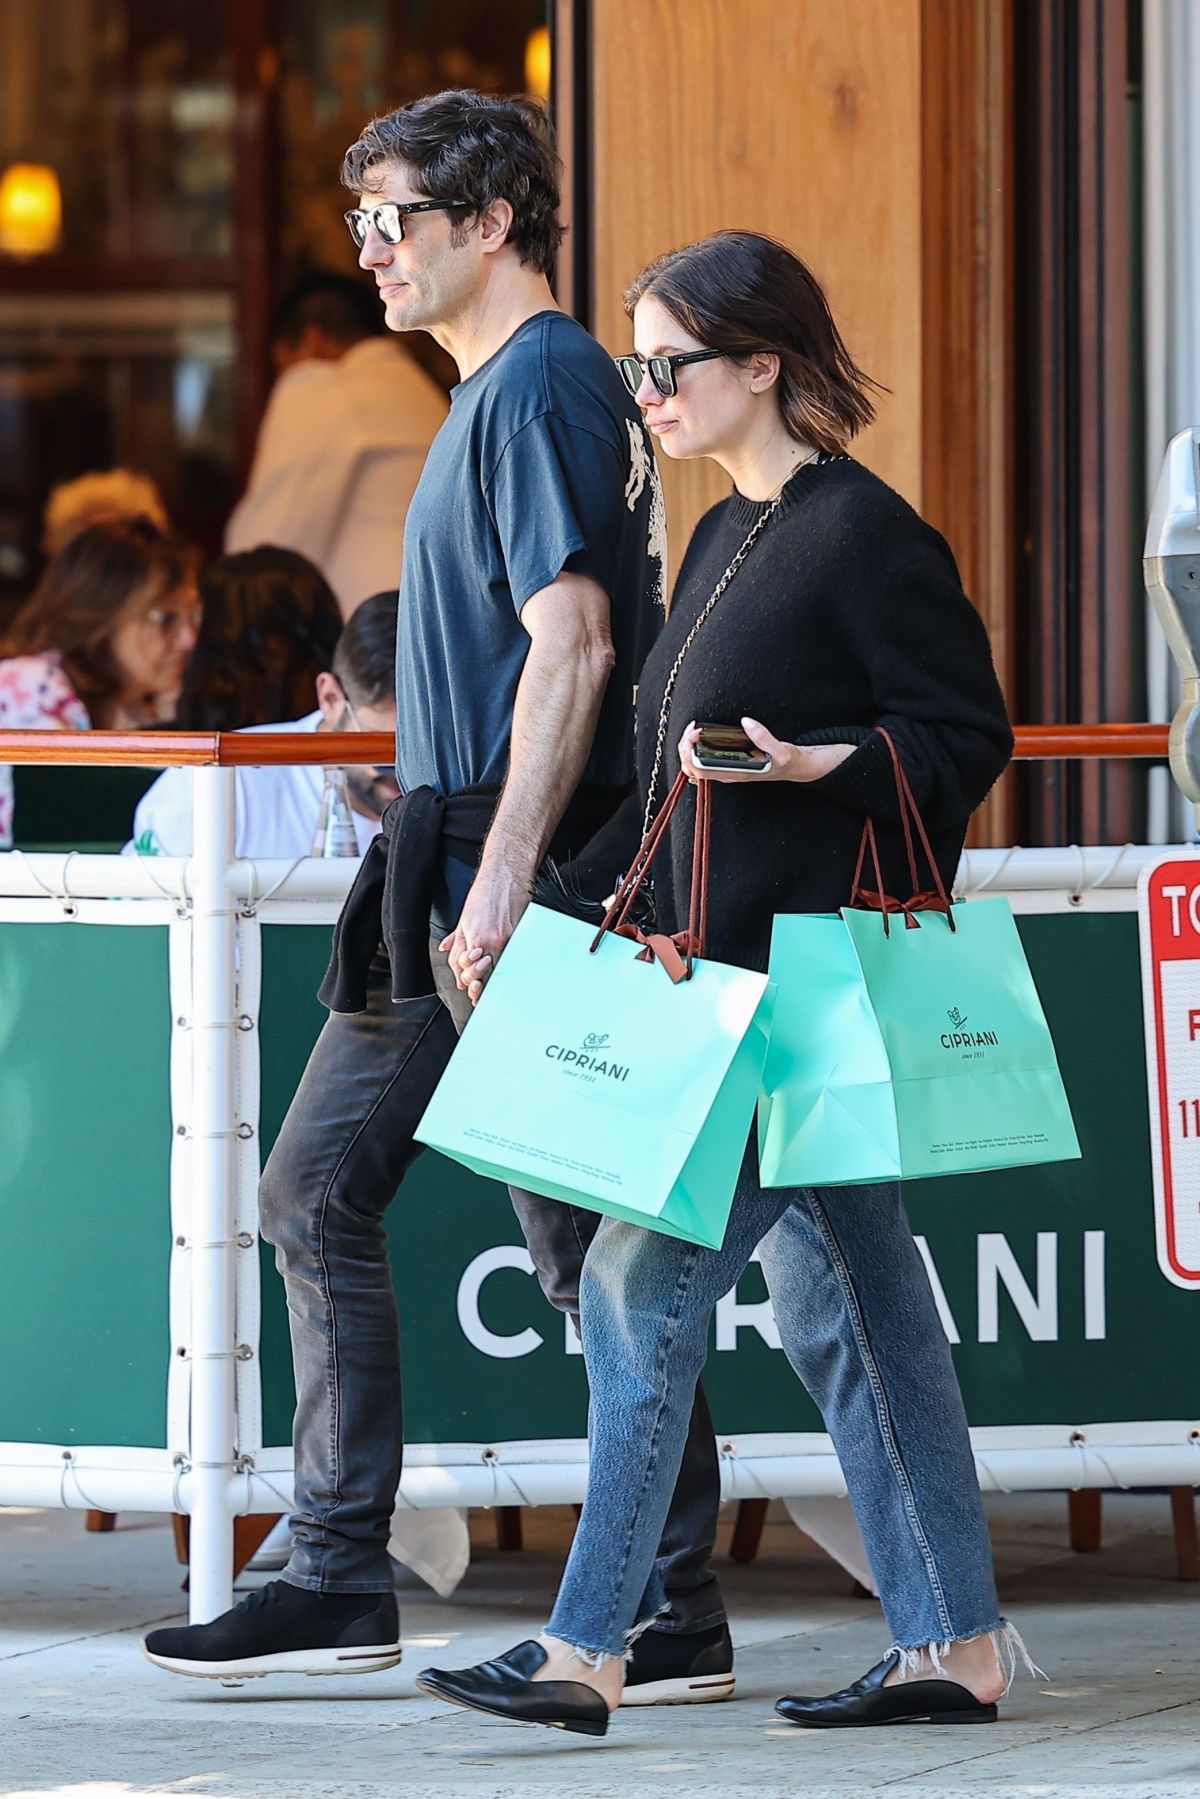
343	1151
857	1321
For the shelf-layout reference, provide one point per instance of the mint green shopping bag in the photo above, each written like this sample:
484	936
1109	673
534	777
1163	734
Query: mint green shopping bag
827	1115
908	1041
915	1053
591	1075
974	1073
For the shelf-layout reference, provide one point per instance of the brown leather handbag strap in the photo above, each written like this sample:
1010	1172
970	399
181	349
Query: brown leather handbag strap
701	842
927	900
675	953
632	881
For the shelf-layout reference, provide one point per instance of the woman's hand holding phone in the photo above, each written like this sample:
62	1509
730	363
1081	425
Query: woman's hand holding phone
787	761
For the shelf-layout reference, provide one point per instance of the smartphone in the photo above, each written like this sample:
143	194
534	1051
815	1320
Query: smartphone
727	748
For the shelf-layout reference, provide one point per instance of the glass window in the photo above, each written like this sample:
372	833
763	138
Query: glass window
90	381
345	59
139	265
130	103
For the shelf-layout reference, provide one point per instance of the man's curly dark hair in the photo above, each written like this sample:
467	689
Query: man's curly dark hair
462	145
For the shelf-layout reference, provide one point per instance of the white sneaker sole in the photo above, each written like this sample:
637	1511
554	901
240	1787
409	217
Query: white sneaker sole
356	1659
704	1689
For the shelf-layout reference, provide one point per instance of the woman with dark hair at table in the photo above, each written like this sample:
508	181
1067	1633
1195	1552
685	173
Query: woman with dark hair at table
271	625
104	640
816	610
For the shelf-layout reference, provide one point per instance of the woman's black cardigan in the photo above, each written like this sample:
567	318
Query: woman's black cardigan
847	614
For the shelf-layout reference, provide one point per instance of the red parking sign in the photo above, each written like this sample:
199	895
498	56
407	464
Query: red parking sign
1169	930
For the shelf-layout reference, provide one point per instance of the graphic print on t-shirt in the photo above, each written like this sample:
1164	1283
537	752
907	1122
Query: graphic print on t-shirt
643	472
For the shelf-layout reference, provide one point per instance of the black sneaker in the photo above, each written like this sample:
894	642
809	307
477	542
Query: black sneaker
281	1629
668	1668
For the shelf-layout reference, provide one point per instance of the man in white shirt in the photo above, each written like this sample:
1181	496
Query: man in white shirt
277	807
342	442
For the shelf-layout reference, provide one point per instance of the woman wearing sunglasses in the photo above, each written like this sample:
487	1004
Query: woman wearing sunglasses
816	610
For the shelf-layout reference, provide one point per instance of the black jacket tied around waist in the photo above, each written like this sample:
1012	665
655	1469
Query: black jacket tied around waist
392	896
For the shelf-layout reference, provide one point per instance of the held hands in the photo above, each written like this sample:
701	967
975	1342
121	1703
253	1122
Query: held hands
789	761
490	915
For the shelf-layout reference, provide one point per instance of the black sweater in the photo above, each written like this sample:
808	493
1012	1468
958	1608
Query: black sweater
847	614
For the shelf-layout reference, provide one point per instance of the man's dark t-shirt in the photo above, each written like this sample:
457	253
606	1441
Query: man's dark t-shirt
542	467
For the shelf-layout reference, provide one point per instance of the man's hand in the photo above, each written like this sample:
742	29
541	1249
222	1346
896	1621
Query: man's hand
491	912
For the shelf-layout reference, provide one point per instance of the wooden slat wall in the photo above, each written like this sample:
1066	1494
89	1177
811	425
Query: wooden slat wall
800	118
874	137
1109	794
967	415
1077	584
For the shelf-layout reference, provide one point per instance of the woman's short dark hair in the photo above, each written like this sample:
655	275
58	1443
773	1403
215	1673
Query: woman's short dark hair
365	659
95	582
738	291
477	148
270	627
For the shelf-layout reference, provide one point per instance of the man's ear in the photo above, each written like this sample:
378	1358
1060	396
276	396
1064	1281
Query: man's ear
495	223
330	697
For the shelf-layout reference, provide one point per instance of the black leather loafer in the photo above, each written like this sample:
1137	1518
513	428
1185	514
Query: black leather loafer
868	1701
506	1690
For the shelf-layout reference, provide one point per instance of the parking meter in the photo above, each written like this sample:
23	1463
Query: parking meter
1171	566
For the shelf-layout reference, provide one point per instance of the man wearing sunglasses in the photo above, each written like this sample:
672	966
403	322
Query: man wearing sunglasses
534	562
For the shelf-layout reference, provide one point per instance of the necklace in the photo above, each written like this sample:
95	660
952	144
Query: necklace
771	507
801	462
673	675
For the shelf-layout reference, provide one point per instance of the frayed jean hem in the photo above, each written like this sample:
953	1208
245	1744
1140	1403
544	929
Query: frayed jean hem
598	1658
1005	1639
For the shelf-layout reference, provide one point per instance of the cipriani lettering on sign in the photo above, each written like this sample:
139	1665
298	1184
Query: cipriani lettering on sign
1032	1293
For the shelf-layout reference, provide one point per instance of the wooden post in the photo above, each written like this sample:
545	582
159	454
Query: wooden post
1083	1518
509	1533
1183	1517
747	1530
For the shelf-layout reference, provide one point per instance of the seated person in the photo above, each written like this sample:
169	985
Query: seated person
269	628
343	439
277	807
103	641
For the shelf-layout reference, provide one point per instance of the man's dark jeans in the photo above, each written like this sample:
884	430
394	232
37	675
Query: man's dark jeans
341	1155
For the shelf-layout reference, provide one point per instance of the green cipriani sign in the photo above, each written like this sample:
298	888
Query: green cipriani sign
1046	1277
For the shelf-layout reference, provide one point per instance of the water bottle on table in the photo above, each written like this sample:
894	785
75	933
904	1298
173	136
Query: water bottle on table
335	834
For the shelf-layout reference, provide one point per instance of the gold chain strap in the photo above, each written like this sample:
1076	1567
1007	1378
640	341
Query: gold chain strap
688	641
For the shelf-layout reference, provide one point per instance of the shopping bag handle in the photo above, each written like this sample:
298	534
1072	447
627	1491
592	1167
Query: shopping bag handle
674	953
927	900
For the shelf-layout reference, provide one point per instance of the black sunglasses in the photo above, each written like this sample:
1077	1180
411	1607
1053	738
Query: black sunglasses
662	368
388	219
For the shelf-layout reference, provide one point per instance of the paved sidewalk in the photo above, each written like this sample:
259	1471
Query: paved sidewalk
82	1714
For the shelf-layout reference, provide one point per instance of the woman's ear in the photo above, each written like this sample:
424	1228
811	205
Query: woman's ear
764	371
